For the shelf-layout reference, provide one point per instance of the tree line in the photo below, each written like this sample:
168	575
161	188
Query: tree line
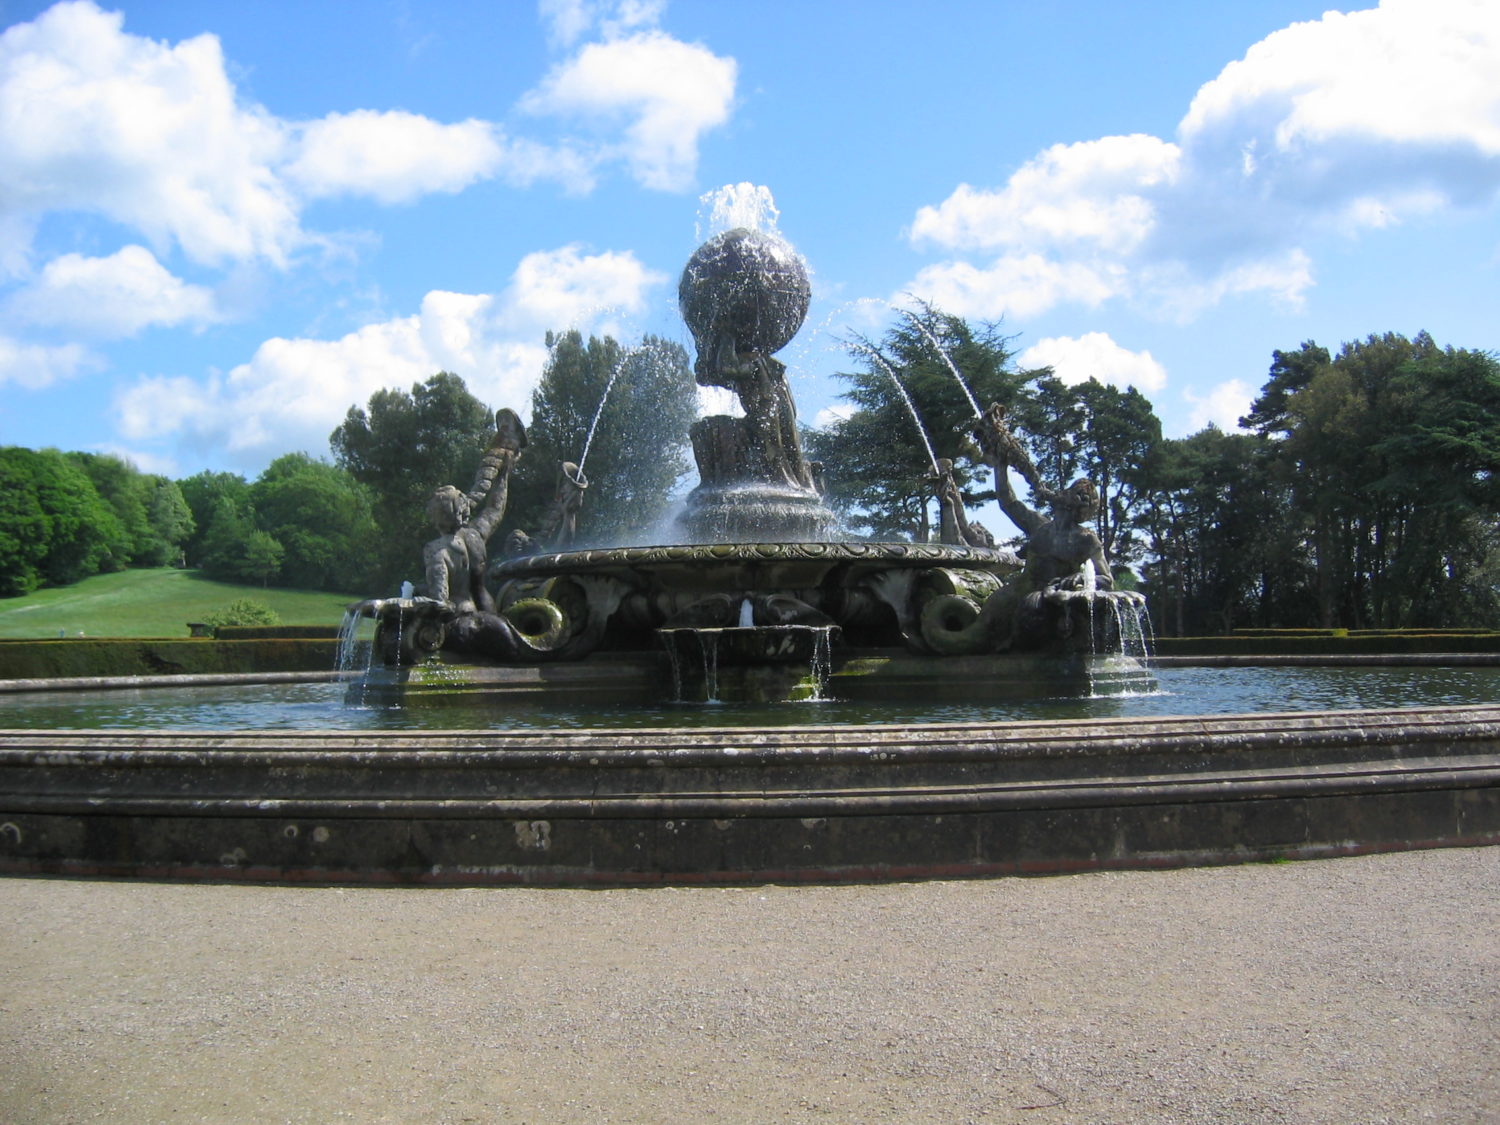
355	523
1362	491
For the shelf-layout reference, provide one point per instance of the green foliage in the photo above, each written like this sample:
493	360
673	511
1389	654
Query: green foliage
639	449
1097	431
54	527
151	510
202	493
317	516
402	447
89	656
877	471
242	611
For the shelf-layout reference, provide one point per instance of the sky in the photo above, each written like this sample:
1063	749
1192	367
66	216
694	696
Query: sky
221	225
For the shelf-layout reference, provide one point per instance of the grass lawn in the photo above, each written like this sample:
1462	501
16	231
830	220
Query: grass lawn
157	602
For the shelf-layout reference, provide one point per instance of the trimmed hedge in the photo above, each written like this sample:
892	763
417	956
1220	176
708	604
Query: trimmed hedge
276	632
133	656
1326	643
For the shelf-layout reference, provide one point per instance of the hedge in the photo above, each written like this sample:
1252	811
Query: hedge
1327	644
134	656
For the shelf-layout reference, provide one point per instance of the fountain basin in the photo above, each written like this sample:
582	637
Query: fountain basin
746	804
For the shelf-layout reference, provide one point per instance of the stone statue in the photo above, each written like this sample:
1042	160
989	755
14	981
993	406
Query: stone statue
1059	547
562	521
954	522
744	294
455	561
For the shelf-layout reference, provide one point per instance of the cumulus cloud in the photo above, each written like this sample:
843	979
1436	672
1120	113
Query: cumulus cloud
146	134
111	297
668	93
34	366
292	392
1095	356
395	157
1347	123
1223	406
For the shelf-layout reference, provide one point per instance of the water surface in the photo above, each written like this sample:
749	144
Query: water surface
326	706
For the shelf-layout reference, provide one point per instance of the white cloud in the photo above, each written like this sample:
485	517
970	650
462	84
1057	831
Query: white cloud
1014	285
1223	406
34	366
833	415
156	137
292	392
669	93
1348	123
568	21
395	157
111	297
145	462
1091	193
1094	356
146	134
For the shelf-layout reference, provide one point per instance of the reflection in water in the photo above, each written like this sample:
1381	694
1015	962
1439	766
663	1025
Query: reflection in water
321	706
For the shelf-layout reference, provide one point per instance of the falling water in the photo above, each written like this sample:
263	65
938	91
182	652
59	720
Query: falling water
822	665
348	641
906	398
953	367
747	614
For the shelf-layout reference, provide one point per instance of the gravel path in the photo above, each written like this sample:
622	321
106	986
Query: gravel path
1357	990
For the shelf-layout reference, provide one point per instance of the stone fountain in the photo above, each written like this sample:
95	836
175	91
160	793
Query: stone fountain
763	600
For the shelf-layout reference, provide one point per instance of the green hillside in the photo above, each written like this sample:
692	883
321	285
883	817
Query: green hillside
156	602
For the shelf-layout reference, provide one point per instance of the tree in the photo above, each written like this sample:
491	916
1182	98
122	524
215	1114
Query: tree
202	493
643	398
150	508
1095	430
77	533
878	463
1223	546
402	448
320	516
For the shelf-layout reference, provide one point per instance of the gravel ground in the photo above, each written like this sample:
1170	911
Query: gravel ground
1357	990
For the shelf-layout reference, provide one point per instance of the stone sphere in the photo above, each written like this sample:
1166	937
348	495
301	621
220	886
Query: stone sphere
747	283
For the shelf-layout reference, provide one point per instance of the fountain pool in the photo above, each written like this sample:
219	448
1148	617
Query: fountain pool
1182	691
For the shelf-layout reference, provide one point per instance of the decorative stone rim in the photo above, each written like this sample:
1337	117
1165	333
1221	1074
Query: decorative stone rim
890	554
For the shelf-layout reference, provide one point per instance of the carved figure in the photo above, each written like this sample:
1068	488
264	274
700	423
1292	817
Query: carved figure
455	561
954	521
562	521
1057	547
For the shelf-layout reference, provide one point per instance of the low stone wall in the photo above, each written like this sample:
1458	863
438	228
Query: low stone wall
687	806
76	657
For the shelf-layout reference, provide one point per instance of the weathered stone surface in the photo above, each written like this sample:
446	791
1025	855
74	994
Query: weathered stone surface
746	804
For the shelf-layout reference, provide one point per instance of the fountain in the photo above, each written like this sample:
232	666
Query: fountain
764	601
761	603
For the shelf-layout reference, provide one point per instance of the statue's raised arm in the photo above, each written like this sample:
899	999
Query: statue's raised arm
1060	546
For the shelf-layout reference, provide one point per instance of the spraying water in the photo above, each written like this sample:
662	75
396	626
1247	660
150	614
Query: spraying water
599	410
743	205
911	407
953	367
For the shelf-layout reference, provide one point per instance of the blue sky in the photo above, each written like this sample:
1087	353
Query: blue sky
222	225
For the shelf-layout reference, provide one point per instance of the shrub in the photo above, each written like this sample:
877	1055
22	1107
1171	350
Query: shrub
242	611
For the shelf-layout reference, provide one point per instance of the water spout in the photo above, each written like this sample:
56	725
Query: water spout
747	614
953	367
911	407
